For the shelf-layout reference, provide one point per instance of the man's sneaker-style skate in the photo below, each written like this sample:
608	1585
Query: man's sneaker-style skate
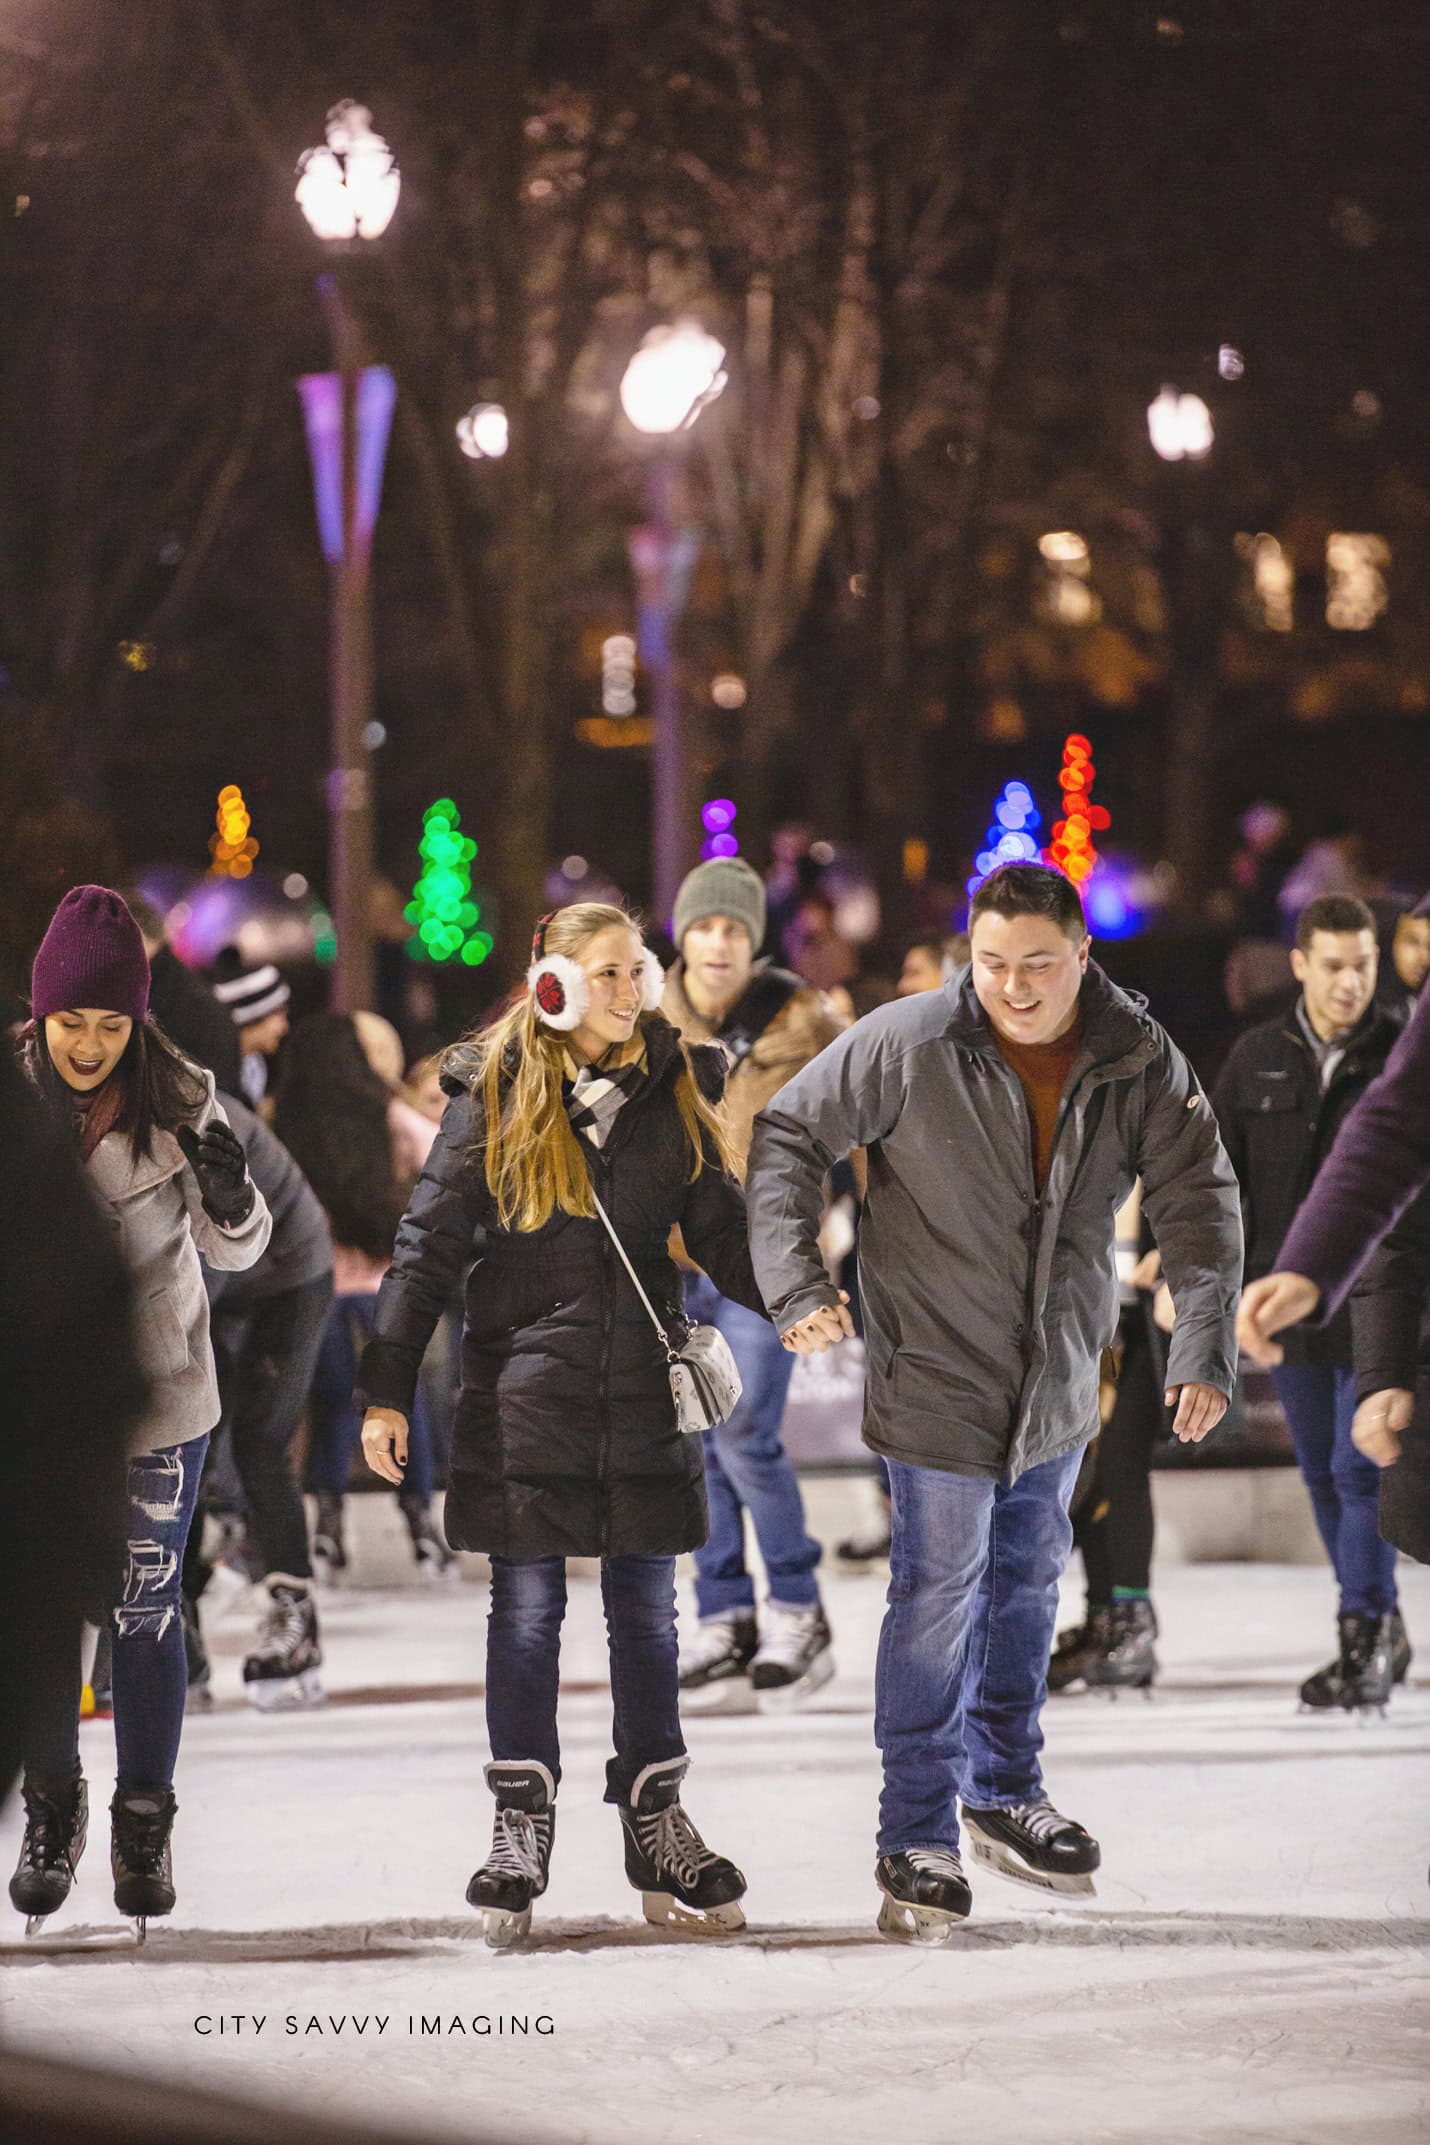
515	1872
683	1885
1034	1844
794	1658
56	1827
1128	1661
715	1666
283	1670
1077	1647
925	1894
142	1821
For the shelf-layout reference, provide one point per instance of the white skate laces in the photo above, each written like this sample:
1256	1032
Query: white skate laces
787	1633
937	1861
714	1638
1039	1818
516	1846
670	1841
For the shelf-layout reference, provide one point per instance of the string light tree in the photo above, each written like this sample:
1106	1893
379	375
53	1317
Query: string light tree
444	915
232	848
1111	910
1010	839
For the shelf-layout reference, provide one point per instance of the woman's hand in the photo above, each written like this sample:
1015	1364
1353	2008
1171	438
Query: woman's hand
821	1329
1266	1306
1379	1421
217	1159
384	1443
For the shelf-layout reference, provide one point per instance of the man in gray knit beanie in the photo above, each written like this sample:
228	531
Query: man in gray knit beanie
770	1023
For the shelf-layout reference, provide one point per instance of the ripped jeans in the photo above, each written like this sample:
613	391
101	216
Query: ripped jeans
147	1633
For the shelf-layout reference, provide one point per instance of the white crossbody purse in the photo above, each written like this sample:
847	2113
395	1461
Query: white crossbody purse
704	1382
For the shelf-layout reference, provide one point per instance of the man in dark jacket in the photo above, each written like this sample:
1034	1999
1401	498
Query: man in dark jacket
769	1023
267	1326
1378	1167
1280	1099
1006	1118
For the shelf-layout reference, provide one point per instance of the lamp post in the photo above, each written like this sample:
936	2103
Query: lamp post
348	191
668	382
1181	431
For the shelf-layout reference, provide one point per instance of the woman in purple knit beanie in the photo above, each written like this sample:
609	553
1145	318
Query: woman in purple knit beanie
162	1162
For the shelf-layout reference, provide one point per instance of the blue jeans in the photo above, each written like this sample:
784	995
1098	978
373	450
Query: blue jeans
963	1654
151	1676
336	1423
528	1604
748	1470
1319	1400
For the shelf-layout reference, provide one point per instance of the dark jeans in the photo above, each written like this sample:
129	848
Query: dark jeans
1114	1525
1320	1400
963	1654
528	1604
150	1673
267	1353
748	1470
336	1422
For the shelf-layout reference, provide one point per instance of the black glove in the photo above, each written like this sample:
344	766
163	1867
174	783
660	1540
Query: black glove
217	1159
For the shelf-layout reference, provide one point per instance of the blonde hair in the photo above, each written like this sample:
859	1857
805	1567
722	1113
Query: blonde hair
532	1160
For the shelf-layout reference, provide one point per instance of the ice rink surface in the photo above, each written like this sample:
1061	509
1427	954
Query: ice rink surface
1256	1965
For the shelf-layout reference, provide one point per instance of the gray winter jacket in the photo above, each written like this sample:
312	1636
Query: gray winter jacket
987	1308
155	1209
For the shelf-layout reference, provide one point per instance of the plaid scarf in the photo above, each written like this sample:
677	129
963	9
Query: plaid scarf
595	1094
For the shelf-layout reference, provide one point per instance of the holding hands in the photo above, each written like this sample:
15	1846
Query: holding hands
821	1329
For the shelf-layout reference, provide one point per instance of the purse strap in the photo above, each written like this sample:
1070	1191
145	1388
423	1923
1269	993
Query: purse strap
670	1353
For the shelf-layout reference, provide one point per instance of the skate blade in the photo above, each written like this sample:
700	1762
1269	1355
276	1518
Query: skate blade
1004	1863
732	1694
34	1923
789	1697
665	1911
282	1694
502	1930
908	1924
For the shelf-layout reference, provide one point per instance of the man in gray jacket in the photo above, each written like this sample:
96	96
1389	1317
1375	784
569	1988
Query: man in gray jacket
1005	1117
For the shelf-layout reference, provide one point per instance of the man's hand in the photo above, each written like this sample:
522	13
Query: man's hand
1199	1409
821	1329
384	1443
1379	1420
1268	1305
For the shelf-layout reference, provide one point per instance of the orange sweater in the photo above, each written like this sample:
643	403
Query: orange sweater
1042	1070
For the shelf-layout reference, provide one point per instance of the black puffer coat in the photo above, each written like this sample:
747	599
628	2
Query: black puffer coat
565	1441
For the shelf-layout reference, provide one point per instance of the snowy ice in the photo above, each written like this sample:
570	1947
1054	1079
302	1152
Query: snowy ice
1254	1965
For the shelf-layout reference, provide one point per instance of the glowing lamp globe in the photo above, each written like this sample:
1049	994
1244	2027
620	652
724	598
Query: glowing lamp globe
672	377
348	189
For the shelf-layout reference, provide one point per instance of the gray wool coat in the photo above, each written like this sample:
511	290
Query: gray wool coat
986	1306
156	1212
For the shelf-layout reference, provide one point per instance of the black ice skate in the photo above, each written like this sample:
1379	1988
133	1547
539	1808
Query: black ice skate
925	1895
139	1855
434	1559
1363	1673
794	1658
516	1870
283	1670
1034	1844
330	1549
1128	1661
715	1667
1077	1646
1401	1655
199	1696
681	1883
56	1827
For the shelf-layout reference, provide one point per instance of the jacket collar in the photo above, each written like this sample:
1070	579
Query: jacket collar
1378	1027
1116	1027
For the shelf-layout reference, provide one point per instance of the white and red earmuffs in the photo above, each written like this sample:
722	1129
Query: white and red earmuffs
560	989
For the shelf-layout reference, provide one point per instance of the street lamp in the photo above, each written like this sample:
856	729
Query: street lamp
348	191
1180	426
1180	429
674	375
484	434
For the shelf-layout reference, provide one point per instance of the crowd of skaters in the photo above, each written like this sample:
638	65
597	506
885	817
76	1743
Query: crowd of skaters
337	1207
